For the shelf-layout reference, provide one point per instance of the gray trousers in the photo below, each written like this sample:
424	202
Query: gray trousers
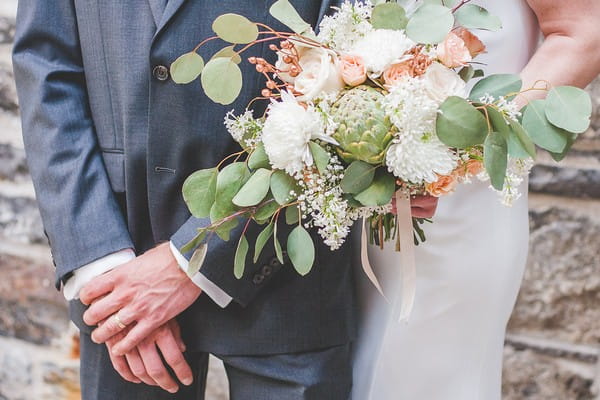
317	375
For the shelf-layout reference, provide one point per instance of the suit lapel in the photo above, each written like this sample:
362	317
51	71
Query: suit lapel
157	7
169	11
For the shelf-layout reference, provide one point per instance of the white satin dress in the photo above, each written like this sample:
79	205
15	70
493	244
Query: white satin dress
468	275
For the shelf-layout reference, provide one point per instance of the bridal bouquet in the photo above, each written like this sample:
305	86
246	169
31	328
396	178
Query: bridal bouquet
373	108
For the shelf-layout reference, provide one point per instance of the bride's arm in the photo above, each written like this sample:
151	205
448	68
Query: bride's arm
570	54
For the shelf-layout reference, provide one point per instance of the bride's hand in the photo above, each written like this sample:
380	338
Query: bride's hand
421	206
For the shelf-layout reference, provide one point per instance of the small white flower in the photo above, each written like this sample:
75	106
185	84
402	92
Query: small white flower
349	23
381	48
287	131
243	128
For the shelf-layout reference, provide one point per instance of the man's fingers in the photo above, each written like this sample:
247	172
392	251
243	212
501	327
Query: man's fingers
174	357
113	325
97	287
122	367
102	309
138	333
155	367
137	367
176	330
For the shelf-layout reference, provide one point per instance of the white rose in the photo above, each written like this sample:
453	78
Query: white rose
442	82
320	74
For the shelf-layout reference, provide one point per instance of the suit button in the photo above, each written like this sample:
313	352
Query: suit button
274	262
266	270
161	73
258	279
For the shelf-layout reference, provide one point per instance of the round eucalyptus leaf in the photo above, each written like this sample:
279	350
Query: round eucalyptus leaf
262	240
496	86
229	181
234	28
380	192
255	190
541	131
265	211
222	80
569	108
301	250
430	24
258	158
459	124
284	12
520	144
187	68
228	52
320	156
199	191
472	16
357	177
281	186
495	158
389	16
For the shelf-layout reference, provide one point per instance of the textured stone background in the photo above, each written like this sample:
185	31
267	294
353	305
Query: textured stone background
554	335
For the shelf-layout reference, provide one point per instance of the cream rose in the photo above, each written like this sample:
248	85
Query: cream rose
354	71
442	82
320	74
453	52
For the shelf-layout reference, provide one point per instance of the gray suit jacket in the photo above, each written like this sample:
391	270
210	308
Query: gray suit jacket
110	139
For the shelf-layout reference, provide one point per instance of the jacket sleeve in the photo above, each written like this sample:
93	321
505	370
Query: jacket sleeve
78	207
218	264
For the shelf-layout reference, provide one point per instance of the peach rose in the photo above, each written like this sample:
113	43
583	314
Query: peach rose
453	52
443	186
354	71
396	74
472	42
474	167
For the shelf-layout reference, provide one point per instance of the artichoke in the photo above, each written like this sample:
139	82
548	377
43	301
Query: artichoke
364	131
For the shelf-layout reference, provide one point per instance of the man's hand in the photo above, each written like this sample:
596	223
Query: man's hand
421	206
148	291
144	364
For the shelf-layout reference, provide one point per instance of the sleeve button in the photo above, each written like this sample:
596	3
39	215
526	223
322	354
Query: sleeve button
161	73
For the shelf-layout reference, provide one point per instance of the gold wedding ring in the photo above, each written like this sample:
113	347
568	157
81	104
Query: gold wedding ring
118	321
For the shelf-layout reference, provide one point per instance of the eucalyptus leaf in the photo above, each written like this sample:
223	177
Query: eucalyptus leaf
239	263
265	211
467	73
255	190
570	141
569	108
320	156
195	242
284	12
357	177
228	52
472	16
459	124
496	86
520	144
301	250
234	28
224	229
495	158
199	191
291	215
258	158
389	16
229	182
380	192
541	131
277	245
261	241
197	259
222	80
281	186
187	68
430	24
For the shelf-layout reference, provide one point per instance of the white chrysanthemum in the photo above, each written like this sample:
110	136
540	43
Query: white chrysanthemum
350	23
287	131
381	48
419	161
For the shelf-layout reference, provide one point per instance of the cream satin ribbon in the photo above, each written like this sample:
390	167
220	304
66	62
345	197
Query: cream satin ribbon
403	301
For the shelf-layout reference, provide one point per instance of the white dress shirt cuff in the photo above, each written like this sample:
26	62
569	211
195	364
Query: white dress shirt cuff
217	294
85	274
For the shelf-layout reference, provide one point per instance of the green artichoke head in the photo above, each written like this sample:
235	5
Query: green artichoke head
364	131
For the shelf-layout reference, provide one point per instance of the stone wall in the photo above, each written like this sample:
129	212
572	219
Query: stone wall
552	347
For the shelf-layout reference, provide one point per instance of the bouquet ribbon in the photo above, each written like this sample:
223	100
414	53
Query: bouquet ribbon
403	301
